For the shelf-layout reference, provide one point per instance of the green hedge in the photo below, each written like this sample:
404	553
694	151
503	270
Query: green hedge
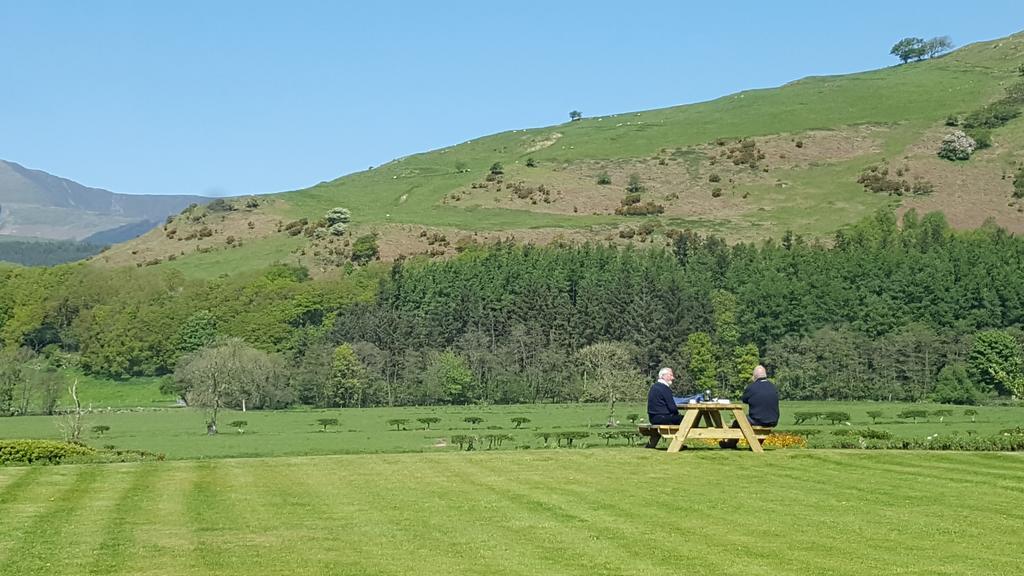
45	451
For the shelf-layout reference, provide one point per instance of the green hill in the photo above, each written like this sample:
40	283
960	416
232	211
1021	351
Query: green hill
745	166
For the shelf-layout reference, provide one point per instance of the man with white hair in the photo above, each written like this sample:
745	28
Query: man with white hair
762	400
661	403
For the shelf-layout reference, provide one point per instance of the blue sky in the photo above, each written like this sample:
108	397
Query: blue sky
225	97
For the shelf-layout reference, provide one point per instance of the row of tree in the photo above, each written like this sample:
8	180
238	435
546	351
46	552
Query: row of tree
885	310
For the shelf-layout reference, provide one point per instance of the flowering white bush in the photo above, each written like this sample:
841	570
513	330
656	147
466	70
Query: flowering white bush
957	146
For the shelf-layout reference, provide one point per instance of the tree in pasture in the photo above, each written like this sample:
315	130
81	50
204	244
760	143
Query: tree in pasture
428	420
398	423
228	373
972	413
910	48
914	414
996	363
100	429
518	421
874	415
609	373
325	422
633	417
837	417
464	441
575	115
473	420
942	413
239	425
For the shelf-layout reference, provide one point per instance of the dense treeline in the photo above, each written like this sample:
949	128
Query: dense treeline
46	252
883	312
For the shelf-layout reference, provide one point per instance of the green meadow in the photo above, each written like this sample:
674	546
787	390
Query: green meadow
180	433
553	512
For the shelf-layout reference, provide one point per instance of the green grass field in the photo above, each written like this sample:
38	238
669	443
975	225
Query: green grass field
555	512
179	433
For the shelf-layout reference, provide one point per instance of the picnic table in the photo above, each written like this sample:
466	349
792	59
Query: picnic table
710	415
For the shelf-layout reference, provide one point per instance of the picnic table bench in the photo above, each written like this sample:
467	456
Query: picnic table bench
710	414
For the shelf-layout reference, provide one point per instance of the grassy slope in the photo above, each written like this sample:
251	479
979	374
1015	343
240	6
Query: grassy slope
180	433
909	102
566	512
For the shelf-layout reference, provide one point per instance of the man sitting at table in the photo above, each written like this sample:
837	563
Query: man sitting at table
762	400
661	403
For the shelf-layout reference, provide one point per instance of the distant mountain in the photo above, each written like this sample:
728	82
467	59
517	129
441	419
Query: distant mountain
36	204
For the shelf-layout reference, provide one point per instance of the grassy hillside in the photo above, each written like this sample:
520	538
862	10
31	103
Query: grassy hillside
807	142
554	512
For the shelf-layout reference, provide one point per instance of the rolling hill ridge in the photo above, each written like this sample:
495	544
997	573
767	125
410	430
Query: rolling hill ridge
811	157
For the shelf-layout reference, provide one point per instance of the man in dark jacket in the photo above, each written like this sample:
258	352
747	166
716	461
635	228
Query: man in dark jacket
762	401
661	403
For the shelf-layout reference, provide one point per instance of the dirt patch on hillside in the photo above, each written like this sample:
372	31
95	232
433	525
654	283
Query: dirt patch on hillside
541	143
821	146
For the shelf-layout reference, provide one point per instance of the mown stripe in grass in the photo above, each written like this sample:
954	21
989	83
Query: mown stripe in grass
38	543
119	529
18	480
209	513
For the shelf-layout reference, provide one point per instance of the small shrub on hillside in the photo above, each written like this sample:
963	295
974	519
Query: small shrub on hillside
634	185
957	146
627	233
952	120
714	178
799	143
205	232
1018	183
365	249
604	179
982	138
497	169
876	179
645	209
630	199
716	192
531	163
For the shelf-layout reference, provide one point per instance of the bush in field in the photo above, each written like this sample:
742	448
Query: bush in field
957	146
634	185
398	423
915	414
239	425
428	420
473	420
495	440
325	422
100	429
801	417
972	413
874	415
519	421
942	414
837	417
465	441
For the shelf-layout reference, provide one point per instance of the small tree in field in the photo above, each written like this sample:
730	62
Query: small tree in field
428	420
398	423
875	415
239	425
325	422
915	414
575	115
464	440
972	413
609	374
632	418
472	420
942	413
519	421
100	429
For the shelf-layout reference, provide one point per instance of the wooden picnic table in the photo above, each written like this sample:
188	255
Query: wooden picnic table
710	415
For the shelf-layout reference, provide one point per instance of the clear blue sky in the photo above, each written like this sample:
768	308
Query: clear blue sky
219	97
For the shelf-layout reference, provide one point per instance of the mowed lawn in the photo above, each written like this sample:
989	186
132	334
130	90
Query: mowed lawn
516	512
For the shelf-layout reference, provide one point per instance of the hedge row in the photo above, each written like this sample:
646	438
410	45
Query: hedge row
40	451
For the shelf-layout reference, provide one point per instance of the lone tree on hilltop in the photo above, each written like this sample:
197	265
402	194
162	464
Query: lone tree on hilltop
575	115
907	49
937	46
